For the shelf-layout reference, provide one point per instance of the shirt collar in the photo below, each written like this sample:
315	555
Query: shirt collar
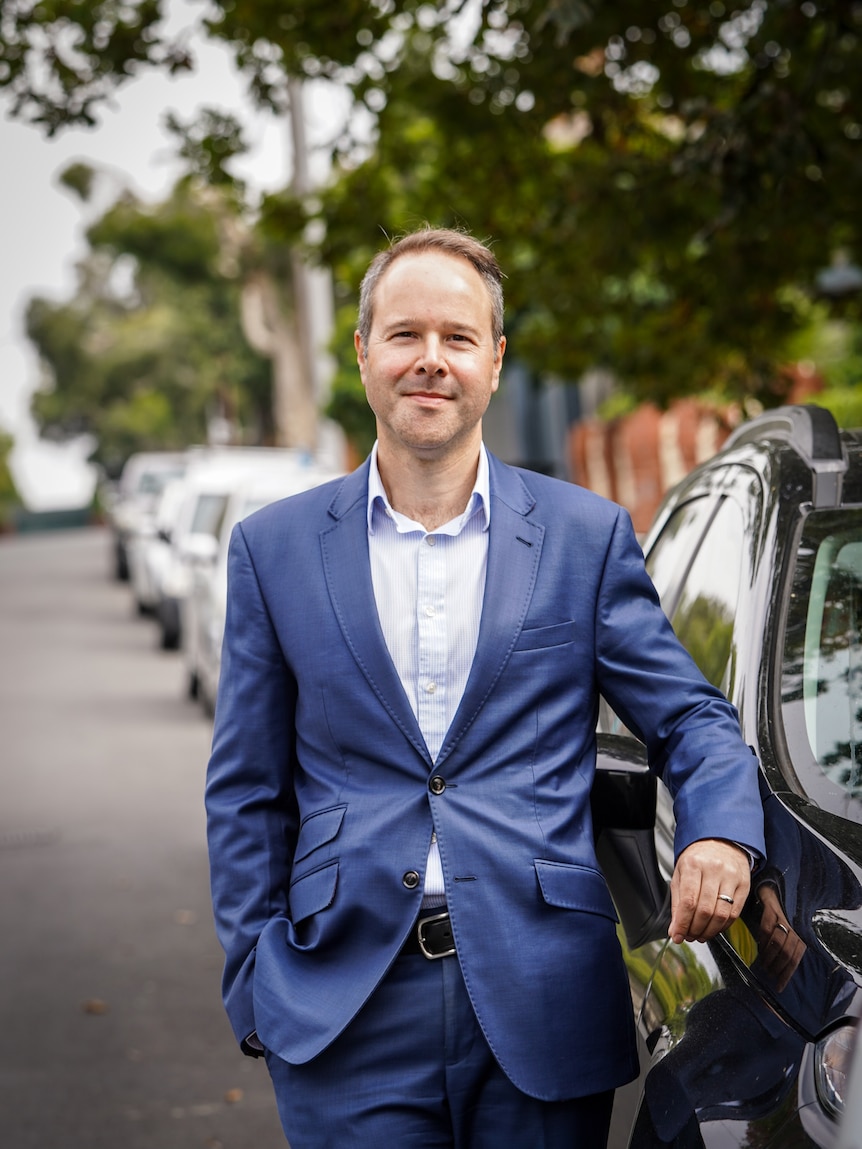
480	497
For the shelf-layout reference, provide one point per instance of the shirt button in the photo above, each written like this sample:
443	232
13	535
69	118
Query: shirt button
430	540
410	880
430	687
437	784
430	611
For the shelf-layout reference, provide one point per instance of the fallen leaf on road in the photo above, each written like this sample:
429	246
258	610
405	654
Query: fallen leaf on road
185	917
233	1096
95	1005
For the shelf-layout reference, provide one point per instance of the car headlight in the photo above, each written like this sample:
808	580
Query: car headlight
833	1056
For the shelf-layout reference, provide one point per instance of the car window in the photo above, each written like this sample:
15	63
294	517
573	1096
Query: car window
821	683
703	619
670	555
208	514
667	562
154	482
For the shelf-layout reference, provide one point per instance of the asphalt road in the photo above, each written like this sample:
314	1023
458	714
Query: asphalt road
112	1034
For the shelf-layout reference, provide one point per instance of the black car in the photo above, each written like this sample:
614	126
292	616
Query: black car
747	1041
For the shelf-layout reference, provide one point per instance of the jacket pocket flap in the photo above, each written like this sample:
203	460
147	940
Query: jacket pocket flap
574	888
541	637
313	892
318	829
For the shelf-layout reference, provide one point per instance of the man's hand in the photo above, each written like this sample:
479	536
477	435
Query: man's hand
710	883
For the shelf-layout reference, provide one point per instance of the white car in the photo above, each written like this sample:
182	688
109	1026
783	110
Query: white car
148	548
204	607
133	505
196	514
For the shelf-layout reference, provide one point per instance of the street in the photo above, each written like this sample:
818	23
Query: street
112	1032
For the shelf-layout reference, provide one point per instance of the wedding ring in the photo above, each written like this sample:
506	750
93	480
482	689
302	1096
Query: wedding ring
783	928
726	898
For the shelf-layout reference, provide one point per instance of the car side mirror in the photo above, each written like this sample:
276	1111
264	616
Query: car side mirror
624	808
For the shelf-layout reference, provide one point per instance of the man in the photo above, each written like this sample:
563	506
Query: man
404	877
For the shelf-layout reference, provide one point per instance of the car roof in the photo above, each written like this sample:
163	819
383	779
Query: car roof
813	435
792	437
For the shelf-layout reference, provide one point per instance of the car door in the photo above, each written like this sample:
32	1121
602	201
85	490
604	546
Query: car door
701	560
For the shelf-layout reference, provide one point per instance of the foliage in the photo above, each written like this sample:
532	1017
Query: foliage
347	404
663	182
845	403
150	348
59	59
843	394
79	178
834	349
9	498
207	145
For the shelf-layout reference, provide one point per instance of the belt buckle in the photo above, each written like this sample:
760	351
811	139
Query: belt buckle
420	926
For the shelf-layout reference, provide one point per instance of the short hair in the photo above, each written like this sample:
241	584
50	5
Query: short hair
443	239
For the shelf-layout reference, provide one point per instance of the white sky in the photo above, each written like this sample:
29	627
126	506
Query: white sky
41	225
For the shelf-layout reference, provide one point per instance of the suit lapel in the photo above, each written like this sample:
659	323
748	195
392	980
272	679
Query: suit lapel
347	568
514	551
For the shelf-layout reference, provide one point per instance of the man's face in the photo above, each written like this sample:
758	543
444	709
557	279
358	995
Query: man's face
431	364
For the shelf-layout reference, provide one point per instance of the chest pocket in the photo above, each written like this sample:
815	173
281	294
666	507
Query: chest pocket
543	637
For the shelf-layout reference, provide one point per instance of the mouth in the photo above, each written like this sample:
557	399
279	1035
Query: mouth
429	398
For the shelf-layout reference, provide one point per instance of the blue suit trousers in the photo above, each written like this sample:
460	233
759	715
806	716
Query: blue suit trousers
414	1070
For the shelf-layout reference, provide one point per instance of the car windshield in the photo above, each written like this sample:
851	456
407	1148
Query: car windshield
821	689
154	482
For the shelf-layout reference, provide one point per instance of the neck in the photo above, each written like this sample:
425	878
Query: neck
429	491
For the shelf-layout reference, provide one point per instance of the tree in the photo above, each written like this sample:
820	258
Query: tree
150	349
664	182
9	498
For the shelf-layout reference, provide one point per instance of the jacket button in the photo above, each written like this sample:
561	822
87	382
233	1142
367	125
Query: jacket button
437	785
410	880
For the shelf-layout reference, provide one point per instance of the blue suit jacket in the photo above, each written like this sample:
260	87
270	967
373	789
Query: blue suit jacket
318	793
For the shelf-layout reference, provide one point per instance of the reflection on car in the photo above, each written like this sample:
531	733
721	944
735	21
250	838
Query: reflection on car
748	1040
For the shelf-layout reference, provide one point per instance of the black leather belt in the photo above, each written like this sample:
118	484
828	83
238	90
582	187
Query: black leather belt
431	937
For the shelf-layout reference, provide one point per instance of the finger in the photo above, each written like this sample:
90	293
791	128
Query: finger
685	896
698	913
714	920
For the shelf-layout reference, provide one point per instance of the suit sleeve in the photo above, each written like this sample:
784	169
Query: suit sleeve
690	730
251	821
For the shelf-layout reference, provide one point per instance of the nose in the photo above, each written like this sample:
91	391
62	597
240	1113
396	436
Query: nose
432	360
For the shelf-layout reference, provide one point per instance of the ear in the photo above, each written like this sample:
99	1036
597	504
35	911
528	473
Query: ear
360	355
498	363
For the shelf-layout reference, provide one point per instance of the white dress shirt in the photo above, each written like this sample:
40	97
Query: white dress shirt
429	588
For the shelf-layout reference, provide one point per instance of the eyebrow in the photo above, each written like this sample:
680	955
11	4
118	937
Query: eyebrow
451	325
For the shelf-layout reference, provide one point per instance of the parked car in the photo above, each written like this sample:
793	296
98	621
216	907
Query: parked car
192	522
203	611
747	1041
133	503
188	521
148	547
